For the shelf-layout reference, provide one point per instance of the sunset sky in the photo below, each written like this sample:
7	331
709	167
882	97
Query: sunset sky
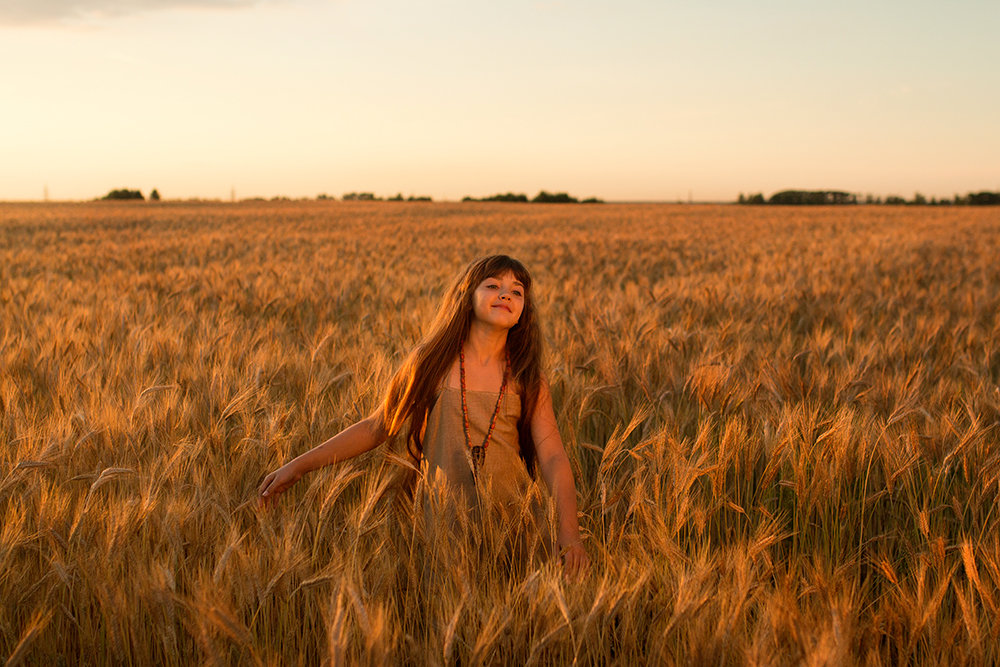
625	100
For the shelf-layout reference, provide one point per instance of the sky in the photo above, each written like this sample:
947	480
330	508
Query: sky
632	100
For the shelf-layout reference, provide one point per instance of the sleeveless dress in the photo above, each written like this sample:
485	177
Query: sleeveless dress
445	456
504	505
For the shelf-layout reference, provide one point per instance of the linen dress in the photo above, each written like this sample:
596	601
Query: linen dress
504	506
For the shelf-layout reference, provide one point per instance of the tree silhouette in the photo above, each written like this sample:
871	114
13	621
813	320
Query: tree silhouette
812	197
544	197
124	193
984	199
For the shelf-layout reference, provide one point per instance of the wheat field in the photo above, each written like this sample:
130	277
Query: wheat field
783	424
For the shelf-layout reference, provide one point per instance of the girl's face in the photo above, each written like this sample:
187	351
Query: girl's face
499	301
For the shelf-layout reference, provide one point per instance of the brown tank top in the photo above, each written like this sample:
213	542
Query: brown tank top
504	501
445	458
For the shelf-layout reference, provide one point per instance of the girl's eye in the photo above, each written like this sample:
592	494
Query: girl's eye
517	292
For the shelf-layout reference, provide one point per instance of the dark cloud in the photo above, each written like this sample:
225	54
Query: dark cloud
28	12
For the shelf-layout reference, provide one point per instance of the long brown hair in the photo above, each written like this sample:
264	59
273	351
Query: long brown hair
413	389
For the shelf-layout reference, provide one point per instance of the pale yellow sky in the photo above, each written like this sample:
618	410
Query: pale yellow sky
636	100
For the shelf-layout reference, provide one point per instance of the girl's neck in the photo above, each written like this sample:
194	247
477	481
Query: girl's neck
485	344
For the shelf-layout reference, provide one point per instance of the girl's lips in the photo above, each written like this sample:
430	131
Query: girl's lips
500	305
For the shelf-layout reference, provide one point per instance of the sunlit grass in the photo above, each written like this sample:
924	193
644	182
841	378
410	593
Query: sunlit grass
783	424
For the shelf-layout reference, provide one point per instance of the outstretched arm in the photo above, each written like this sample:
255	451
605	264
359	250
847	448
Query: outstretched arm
352	441
558	476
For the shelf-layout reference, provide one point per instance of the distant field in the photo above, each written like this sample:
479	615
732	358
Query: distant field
783	421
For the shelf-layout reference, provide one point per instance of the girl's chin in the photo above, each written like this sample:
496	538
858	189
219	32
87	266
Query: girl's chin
501	322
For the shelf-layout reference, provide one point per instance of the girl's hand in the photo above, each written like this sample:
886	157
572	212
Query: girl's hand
277	483
576	563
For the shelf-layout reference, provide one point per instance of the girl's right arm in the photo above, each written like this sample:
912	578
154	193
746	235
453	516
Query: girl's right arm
353	440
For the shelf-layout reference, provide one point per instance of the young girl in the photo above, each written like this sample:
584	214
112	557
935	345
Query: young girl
475	407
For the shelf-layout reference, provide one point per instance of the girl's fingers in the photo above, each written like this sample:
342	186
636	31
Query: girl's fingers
266	483
267	490
575	562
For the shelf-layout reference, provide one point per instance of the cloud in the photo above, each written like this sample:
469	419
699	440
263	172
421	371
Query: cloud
35	12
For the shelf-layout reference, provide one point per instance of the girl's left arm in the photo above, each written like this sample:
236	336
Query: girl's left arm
558	477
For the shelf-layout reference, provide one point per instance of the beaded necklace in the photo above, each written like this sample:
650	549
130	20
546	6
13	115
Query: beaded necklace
477	453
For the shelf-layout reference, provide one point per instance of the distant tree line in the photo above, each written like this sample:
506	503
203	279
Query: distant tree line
399	197
837	197
510	196
127	194
542	197
984	198
370	196
802	198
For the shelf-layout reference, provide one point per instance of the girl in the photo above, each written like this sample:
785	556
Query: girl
471	396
